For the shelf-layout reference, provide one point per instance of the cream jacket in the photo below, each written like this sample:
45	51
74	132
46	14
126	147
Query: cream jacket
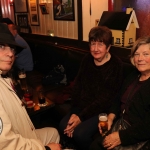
16	129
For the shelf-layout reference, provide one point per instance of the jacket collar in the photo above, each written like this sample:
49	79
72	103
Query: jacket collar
7	81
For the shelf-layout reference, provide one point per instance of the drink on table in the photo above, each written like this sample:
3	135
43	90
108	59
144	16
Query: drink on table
103	123
41	97
41	100
28	95
22	78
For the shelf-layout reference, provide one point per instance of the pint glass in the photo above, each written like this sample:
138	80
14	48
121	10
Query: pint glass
42	99
103	123
22	78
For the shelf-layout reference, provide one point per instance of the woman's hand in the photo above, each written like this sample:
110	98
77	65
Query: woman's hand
112	140
111	117
72	123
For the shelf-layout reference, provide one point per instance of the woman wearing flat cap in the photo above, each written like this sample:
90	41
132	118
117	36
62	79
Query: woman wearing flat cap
16	129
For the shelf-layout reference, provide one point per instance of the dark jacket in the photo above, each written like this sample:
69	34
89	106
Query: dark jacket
96	86
138	113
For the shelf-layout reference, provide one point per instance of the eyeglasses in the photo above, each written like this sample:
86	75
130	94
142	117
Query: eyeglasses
6	47
98	44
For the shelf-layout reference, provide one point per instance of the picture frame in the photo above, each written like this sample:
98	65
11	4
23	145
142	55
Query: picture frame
44	8
63	10
22	20
34	12
20	6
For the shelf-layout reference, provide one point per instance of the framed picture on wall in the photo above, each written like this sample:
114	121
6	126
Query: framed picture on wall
20	6
63	10
34	13
44	8
22	20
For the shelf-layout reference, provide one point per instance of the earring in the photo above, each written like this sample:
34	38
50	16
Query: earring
106	55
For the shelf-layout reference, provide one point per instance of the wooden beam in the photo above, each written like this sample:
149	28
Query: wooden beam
80	24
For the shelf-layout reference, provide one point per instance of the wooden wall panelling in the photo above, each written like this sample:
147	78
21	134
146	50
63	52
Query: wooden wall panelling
60	28
71	31
75	28
55	23
76	33
47	22
65	29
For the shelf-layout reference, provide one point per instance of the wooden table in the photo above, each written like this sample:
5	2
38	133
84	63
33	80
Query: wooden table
36	109
40	116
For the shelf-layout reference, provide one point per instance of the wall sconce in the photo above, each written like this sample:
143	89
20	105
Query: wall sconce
50	32
11	2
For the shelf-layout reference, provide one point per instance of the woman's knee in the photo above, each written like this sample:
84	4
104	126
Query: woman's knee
54	134
48	135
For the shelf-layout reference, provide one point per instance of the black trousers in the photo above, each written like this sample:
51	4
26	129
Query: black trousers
97	144
83	133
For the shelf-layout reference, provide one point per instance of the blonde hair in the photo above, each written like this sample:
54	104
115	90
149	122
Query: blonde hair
140	41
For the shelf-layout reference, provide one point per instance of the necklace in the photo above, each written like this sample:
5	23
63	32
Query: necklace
105	59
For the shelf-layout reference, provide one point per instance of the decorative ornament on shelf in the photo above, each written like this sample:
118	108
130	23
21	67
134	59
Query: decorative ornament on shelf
123	26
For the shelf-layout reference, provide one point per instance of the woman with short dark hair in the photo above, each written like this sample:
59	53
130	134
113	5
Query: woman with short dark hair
96	86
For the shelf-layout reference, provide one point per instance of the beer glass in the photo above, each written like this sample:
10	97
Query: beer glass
103	120
22	78
41	98
28	95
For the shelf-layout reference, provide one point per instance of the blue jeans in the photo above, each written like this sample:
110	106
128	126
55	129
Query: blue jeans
84	132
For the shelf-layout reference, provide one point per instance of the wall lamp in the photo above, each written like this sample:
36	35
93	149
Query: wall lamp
11	2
